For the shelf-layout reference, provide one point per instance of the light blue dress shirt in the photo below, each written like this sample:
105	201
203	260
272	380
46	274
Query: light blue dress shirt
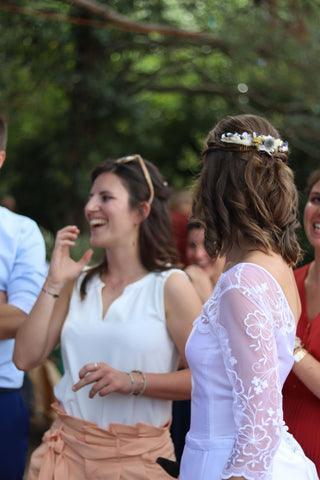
22	274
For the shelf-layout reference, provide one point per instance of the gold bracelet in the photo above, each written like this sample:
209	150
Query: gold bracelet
299	355
54	295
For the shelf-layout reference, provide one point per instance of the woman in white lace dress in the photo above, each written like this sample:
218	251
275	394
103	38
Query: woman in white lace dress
241	348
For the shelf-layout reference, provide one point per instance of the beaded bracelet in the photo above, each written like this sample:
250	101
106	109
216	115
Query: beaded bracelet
132	382
144	382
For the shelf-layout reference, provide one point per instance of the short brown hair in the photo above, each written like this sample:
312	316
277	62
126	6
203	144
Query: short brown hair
246	196
3	134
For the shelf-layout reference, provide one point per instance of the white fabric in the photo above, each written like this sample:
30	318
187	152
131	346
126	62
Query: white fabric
132	336
22	273
240	353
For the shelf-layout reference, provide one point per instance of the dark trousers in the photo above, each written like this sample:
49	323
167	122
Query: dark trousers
14	435
180	425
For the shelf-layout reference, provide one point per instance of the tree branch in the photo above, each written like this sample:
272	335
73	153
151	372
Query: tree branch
121	22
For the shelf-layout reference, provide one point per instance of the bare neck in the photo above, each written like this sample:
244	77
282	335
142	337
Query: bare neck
124	265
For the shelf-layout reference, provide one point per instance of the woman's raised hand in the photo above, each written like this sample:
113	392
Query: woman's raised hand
62	267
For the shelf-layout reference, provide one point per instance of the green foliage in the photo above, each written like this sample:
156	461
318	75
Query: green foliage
74	94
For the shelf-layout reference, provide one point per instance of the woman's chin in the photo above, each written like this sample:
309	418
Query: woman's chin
96	243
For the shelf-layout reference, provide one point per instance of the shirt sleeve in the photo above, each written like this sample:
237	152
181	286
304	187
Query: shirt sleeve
250	356
29	268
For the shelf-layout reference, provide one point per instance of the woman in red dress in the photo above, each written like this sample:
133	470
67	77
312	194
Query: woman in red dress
301	391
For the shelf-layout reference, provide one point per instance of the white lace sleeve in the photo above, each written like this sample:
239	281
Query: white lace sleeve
246	328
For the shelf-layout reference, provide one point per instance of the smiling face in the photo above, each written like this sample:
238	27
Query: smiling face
197	255
112	221
195	251
312	216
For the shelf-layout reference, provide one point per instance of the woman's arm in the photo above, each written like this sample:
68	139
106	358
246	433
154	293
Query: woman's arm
246	332
182	306
106	379
40	332
308	371
201	281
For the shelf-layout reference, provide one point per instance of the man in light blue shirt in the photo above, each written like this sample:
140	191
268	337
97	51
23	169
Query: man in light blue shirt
22	274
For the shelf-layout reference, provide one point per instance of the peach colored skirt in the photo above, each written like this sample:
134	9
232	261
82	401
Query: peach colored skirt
74	449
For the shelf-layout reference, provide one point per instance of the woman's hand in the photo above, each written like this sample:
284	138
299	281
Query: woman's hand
62	267
105	379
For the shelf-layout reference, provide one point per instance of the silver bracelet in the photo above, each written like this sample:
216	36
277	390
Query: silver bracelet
144	382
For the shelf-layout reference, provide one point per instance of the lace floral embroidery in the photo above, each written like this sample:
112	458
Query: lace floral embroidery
253	316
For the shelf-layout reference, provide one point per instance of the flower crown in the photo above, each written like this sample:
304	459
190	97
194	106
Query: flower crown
263	143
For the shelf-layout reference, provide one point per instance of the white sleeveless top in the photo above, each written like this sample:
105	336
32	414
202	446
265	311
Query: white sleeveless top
132	336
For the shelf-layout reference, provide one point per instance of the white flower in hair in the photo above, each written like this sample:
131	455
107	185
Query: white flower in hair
263	143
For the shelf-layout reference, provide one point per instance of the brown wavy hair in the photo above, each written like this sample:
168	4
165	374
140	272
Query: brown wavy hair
157	247
245	196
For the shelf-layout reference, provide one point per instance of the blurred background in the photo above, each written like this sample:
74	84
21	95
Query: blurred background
83	80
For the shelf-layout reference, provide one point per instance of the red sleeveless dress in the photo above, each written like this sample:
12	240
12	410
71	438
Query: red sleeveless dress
301	407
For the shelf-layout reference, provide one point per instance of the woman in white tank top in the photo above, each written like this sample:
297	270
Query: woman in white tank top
123	326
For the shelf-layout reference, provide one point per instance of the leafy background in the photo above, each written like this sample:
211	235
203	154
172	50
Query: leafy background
82	81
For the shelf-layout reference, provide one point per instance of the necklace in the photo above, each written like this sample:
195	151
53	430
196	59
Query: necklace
114	285
135	277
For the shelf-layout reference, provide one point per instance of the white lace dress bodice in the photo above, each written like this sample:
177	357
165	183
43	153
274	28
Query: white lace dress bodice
240	353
